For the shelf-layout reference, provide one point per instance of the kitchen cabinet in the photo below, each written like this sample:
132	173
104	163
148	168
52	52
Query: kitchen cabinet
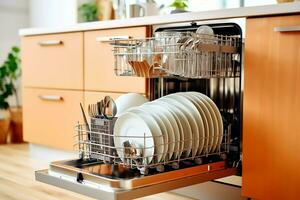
50	116
53	61
271	128
99	61
60	71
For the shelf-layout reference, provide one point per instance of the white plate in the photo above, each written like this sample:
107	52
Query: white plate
166	117
159	151
129	127
185	118
129	100
177	127
198	126
216	118
214	135
151	113
205	115
211	124
219	120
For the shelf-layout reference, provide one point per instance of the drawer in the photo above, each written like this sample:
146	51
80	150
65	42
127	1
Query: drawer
99	62
49	116
53	61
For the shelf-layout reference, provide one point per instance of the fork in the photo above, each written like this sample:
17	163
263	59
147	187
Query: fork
93	110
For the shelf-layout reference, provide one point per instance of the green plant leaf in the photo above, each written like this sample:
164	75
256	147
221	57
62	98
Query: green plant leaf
15	49
3	104
13	66
179	4
9	72
89	11
10	57
3	72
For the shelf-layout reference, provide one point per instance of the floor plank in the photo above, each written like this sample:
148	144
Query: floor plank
17	182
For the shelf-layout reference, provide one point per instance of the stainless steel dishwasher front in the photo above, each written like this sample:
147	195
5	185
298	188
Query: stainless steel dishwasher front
98	191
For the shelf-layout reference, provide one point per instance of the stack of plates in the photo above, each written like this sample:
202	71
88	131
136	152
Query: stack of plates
180	125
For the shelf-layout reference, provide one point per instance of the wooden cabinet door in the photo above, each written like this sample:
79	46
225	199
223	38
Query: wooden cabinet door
53	61
271	129
49	117
99	62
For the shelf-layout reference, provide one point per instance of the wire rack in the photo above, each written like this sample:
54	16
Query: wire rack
187	54
99	144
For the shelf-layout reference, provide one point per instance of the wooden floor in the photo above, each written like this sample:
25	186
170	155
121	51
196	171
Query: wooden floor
17	182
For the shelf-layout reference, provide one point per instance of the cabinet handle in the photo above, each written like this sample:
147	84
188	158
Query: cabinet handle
50	42
112	38
50	98
287	29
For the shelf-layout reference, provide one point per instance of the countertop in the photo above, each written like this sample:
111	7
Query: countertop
276	9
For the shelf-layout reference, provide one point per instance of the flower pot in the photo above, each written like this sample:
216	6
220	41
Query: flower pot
4	125
176	11
284	1
16	125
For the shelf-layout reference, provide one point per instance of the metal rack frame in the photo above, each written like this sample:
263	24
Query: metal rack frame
187	54
93	147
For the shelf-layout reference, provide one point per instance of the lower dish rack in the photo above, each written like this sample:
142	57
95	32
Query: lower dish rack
100	173
97	144
116	166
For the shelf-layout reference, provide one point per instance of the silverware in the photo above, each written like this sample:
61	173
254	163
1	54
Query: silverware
93	110
105	108
99	106
110	107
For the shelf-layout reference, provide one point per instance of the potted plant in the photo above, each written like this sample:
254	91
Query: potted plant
9	73
179	5
88	12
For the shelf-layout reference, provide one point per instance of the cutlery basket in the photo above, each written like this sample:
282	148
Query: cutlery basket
100	143
184	54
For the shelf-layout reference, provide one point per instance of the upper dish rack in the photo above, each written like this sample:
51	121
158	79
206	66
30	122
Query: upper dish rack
183	54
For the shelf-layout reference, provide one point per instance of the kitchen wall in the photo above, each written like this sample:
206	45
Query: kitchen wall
53	13
14	14
203	5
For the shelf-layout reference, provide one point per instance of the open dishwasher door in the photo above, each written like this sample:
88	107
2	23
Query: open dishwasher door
85	180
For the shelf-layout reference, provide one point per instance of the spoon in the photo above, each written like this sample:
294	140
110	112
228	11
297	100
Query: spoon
109	108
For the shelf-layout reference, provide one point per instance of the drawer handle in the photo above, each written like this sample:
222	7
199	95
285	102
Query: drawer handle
287	29
50	98
112	38
50	42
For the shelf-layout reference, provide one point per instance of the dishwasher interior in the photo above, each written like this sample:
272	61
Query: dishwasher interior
100	172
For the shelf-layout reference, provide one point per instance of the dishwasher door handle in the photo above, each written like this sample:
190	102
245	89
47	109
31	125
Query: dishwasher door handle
112	38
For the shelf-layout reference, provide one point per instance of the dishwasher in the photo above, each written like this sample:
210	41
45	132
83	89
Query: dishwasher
204	57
